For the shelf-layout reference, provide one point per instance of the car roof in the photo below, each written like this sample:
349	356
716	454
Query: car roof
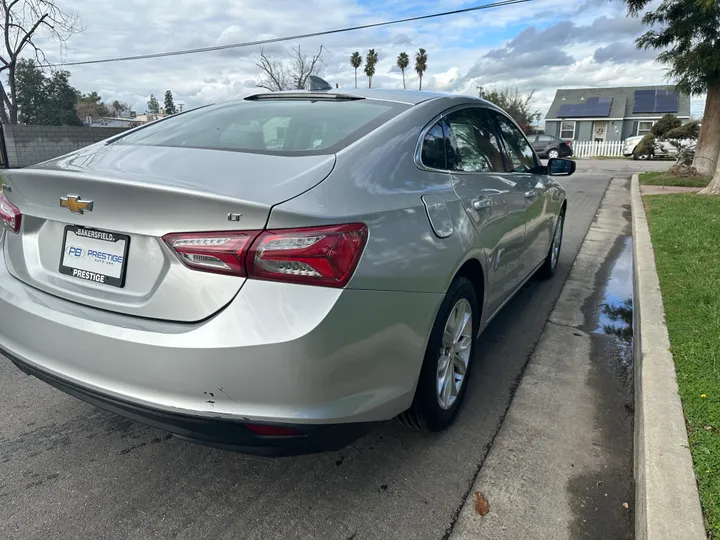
408	97
411	97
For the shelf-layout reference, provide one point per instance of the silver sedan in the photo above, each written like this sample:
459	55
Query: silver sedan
277	273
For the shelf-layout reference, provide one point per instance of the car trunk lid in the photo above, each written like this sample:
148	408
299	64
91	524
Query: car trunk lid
93	222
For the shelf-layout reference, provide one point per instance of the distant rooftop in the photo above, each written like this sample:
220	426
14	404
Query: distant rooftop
623	101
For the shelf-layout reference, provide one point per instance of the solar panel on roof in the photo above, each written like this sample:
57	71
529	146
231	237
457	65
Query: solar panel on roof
656	101
593	107
644	101
667	102
569	111
599	106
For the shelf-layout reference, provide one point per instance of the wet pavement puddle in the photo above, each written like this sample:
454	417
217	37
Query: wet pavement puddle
615	315
603	499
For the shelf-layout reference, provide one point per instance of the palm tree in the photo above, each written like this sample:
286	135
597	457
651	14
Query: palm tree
370	61
356	62
421	64
403	61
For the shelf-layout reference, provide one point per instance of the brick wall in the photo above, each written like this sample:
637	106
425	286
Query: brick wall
27	145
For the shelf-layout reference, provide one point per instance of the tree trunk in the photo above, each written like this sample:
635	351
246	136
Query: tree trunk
404	87
4	105
13	96
355	78
420	82
708	144
713	188
370	82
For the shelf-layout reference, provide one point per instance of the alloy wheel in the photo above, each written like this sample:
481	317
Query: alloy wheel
454	355
557	241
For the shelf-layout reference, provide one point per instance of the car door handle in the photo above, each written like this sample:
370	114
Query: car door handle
531	195
479	204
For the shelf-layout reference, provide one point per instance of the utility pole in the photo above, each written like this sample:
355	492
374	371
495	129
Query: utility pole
181	105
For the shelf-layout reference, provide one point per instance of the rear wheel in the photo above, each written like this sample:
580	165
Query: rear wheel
642	157
448	359
547	270
553	154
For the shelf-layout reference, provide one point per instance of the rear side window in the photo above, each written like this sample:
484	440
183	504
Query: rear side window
474	141
283	127
433	148
522	157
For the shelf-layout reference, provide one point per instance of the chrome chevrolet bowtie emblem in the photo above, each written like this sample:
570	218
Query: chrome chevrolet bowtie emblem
75	205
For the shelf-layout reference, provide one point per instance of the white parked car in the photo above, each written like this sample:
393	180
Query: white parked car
662	148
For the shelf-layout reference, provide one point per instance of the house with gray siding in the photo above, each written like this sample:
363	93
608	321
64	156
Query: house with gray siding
612	114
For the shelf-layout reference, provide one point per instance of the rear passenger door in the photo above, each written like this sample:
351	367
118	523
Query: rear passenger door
492	199
544	143
538	142
539	216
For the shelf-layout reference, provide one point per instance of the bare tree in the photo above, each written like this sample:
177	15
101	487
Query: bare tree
274	73
22	22
288	74
302	66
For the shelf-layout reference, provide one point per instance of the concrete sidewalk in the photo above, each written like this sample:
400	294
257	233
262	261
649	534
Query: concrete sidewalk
561	465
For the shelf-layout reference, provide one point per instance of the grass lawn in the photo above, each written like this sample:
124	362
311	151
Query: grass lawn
685	229
663	179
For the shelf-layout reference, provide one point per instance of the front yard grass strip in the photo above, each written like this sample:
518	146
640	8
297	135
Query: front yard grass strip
663	179
685	229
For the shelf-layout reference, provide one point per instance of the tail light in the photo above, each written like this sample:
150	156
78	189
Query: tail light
9	214
318	256
216	252
325	256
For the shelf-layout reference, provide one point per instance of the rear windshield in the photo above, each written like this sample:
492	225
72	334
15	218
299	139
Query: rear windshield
283	127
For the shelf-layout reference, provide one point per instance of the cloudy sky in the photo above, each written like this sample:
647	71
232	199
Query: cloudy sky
541	45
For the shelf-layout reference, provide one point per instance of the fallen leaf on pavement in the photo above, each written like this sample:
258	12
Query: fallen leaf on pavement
482	506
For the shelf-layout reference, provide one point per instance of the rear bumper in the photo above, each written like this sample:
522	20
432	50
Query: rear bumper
278	354
220	433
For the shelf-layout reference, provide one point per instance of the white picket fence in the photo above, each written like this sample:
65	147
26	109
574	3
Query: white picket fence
585	149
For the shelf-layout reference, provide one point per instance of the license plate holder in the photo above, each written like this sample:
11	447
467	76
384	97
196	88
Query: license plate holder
94	255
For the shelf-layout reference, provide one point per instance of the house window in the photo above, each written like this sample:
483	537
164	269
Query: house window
567	130
644	127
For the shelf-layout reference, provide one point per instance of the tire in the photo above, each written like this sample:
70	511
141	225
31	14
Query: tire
552	154
432	409
547	270
641	157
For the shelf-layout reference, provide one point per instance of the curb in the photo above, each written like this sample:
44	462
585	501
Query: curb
666	497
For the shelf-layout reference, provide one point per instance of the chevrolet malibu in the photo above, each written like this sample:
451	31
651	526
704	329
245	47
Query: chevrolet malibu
277	273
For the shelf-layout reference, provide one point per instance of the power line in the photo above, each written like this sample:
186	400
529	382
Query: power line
297	36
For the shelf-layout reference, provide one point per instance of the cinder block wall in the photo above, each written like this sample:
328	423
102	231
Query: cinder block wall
27	145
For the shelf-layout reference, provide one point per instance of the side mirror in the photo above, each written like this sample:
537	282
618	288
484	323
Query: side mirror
560	167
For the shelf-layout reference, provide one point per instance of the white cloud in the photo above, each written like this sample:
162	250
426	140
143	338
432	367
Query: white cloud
541	45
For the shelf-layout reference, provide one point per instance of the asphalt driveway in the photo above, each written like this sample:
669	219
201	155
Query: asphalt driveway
70	470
